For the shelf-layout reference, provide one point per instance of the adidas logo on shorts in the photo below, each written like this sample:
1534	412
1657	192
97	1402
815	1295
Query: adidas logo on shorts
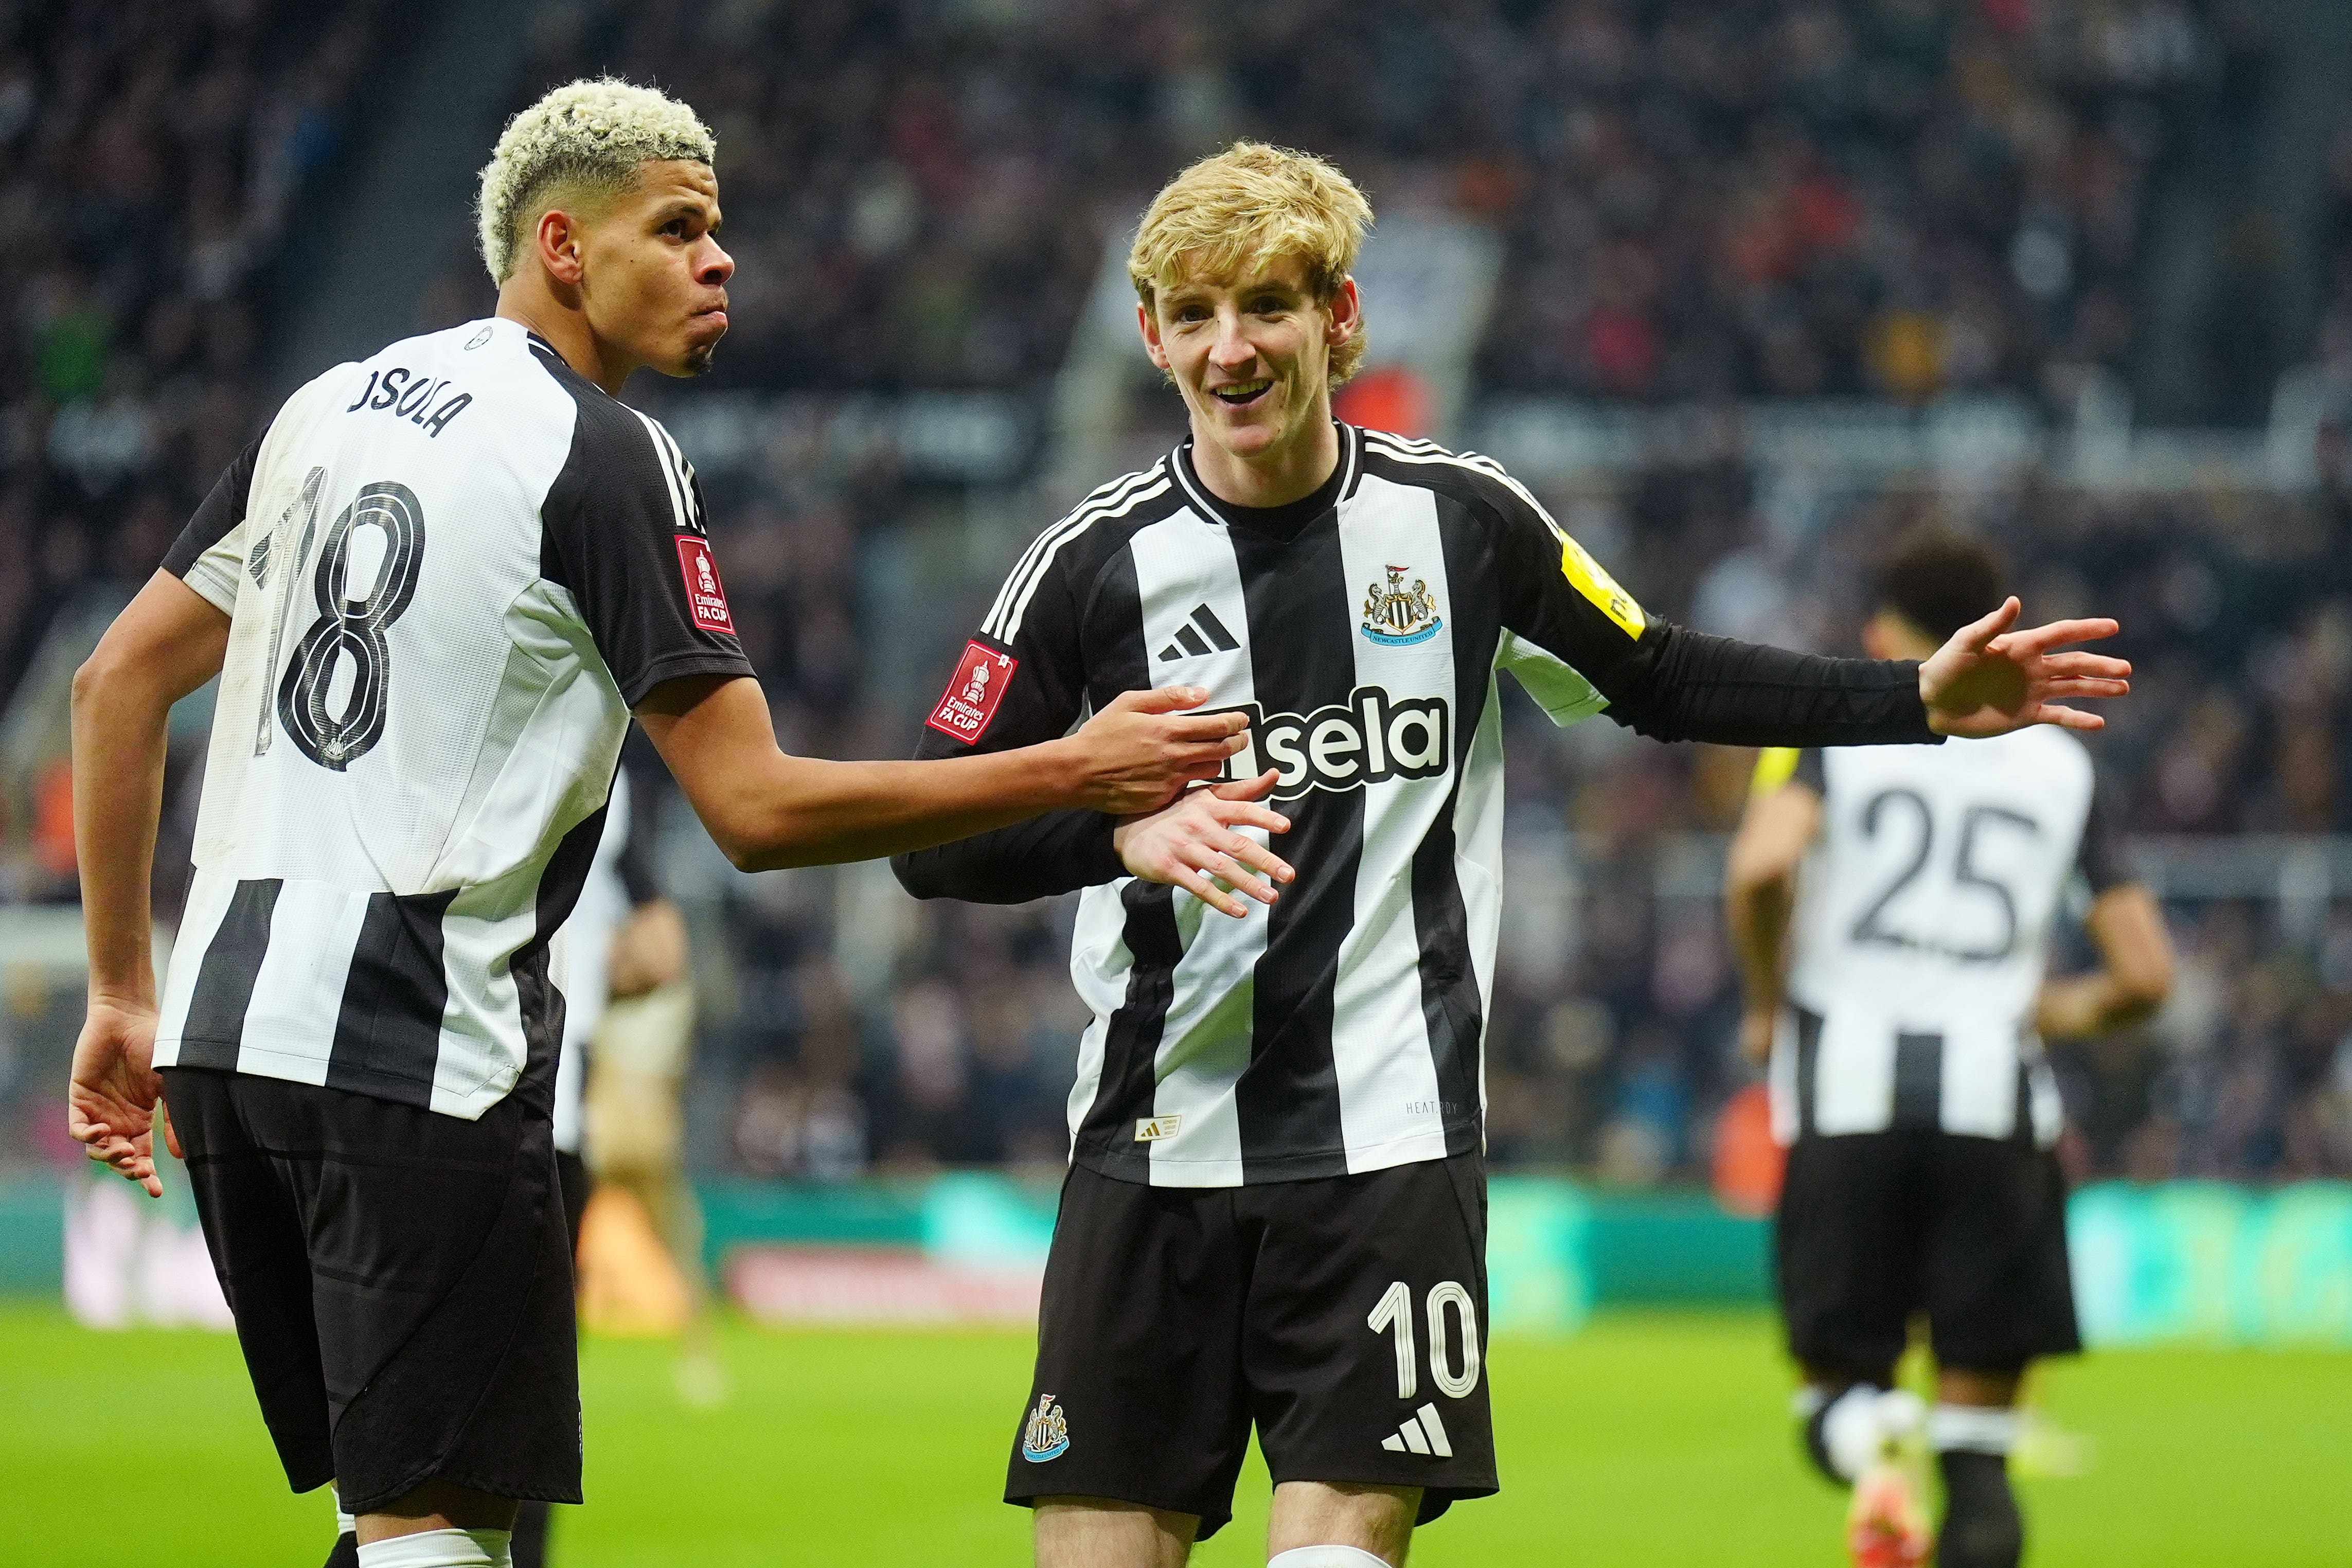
1421	1434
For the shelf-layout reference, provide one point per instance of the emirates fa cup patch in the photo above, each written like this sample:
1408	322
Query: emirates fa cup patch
1047	1434
971	699
705	597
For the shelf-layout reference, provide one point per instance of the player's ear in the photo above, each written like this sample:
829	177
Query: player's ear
1345	310
557	242
1148	325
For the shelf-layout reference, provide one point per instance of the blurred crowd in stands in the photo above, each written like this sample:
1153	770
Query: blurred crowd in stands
153	155
1737	198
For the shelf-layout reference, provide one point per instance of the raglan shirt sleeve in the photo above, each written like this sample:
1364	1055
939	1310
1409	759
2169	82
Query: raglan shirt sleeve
209	554
1578	641
623	531
1019	682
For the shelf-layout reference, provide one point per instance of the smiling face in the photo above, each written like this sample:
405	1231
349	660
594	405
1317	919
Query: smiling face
1252	356
651	276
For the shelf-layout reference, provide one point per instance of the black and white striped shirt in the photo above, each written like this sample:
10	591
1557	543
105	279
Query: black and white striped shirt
450	572
1361	629
1922	932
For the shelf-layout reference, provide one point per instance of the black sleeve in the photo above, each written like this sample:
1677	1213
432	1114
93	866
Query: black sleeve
1033	690
2100	856
1682	685
639	863
1673	684
220	512
623	531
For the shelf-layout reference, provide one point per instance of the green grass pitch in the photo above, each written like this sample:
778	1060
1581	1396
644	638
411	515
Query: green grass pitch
1645	1440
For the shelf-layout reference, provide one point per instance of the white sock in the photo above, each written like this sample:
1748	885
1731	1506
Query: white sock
440	1549
1901	1415
1325	1557
1972	1429
1850	1433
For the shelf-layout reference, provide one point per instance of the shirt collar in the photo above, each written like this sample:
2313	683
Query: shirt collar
1284	520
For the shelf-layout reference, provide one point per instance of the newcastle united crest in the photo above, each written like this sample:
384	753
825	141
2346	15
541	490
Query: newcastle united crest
1047	1434
1398	616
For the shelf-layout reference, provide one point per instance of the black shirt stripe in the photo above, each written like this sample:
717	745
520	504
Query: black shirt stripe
224	983
1301	622
388	1037
1450	1004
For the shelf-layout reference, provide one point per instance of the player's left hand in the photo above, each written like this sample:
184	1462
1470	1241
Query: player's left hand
1988	679
117	1097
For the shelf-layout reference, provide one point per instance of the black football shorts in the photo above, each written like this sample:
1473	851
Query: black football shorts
1875	1227
402	1283
1345	1317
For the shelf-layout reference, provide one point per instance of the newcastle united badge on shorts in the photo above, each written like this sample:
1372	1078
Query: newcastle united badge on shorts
1047	1434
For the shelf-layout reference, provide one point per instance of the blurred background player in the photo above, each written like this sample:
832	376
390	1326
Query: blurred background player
1274	1212
433	612
1891	908
645	1253
624	942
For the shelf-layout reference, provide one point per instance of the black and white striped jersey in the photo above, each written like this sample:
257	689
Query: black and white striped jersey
1922	932
450	572
1361	629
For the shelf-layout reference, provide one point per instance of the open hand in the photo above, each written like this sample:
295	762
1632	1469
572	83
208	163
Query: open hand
1989	681
1195	843
117	1096
1143	749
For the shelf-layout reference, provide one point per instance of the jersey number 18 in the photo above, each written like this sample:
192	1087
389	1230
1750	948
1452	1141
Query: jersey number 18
383	533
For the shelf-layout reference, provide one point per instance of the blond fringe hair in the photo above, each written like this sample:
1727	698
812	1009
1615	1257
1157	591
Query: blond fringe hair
582	140
1236	210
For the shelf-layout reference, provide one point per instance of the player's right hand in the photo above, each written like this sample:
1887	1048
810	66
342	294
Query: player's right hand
1195	843
117	1096
1757	1027
1145	747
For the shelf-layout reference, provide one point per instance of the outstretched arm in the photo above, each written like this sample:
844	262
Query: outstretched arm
1577	640
767	809
167	642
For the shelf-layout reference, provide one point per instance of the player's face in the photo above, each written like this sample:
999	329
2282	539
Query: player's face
1251	355
653	278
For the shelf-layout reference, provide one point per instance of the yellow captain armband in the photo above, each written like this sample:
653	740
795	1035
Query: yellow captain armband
1592	580
1776	767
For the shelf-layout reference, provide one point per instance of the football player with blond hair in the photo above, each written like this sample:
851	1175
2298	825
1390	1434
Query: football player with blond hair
1275	1211
435	592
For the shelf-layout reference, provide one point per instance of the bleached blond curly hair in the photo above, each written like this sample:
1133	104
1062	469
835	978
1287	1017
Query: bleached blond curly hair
582	141
1235	211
